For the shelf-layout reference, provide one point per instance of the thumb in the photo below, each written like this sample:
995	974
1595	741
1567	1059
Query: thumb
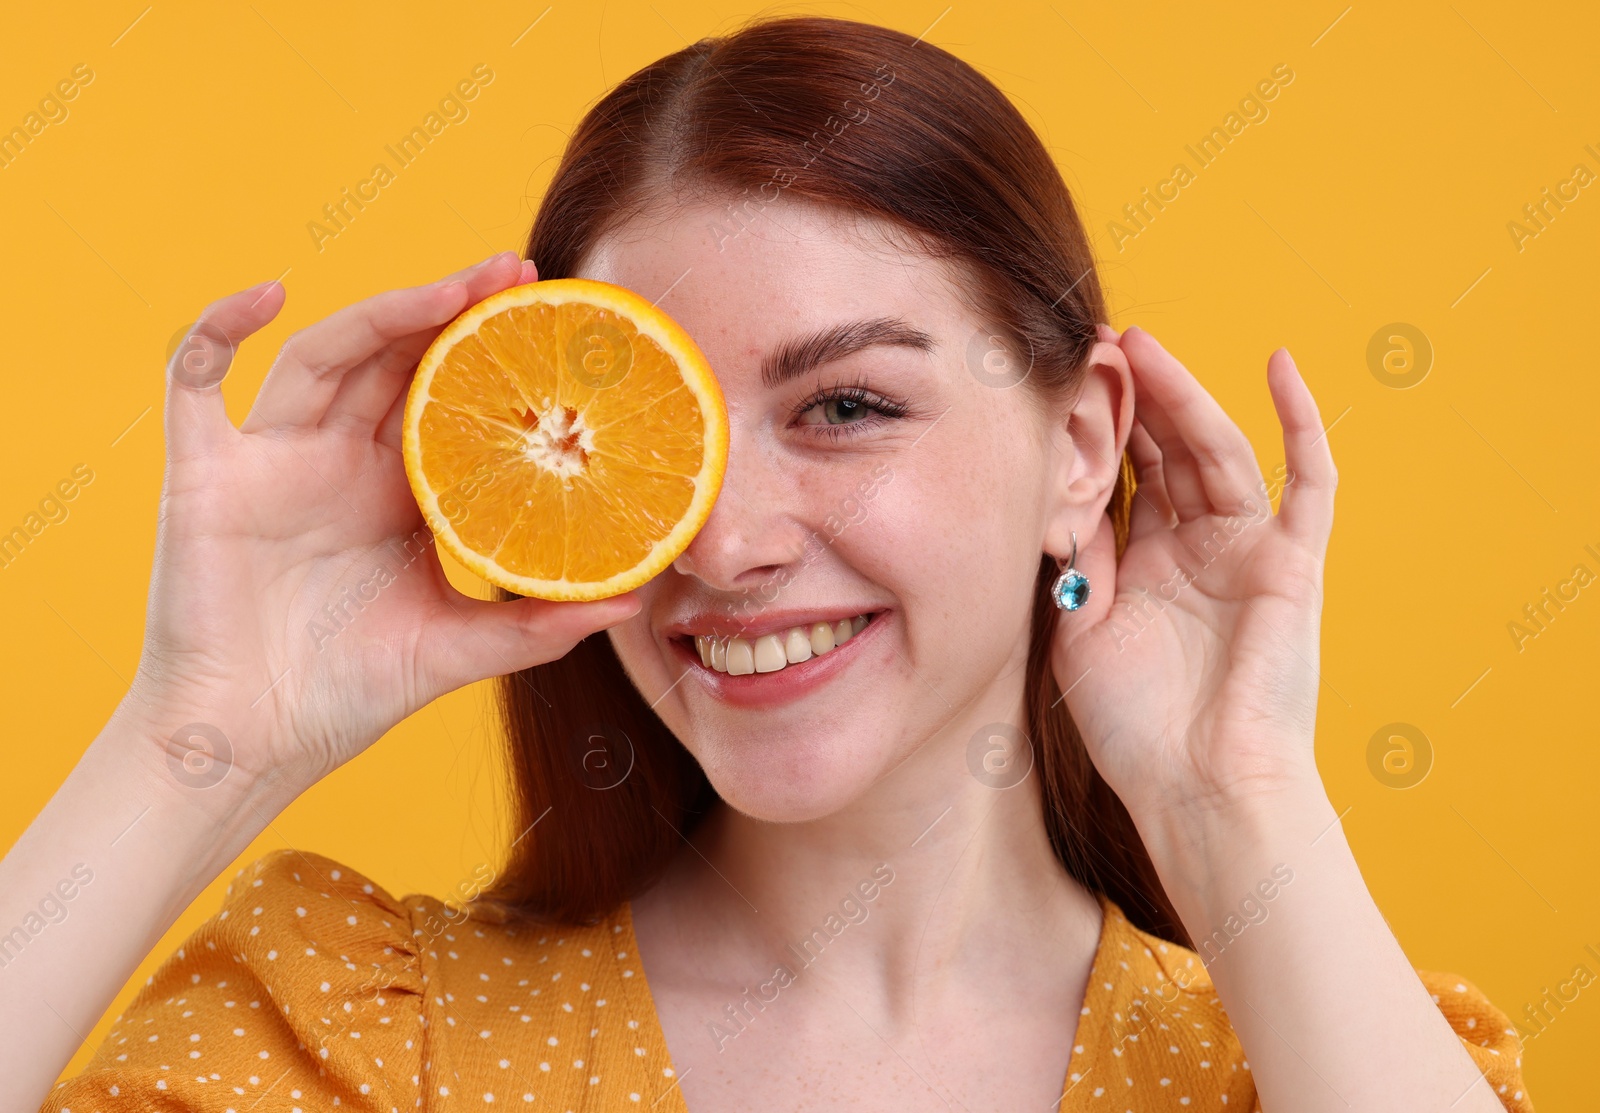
198	358
474	639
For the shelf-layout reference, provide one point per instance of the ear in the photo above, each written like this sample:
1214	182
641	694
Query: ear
1087	442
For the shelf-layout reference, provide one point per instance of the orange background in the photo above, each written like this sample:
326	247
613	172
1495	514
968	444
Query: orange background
1379	189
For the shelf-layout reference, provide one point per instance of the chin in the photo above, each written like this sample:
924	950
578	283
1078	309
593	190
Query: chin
784	746
792	782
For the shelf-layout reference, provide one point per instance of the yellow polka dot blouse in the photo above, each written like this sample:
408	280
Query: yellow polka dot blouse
313	988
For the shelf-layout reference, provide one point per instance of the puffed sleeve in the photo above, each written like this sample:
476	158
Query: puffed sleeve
305	986
1484	1031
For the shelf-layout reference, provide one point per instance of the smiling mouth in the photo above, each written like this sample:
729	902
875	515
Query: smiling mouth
779	651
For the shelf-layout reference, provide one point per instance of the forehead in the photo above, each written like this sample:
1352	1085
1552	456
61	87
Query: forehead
741	282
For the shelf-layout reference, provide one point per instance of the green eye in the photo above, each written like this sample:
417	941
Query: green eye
847	410
853	406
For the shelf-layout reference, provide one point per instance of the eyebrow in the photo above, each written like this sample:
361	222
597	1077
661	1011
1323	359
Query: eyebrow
794	358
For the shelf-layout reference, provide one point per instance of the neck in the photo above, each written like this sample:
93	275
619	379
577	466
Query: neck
933	880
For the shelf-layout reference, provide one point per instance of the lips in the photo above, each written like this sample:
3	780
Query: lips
767	690
778	650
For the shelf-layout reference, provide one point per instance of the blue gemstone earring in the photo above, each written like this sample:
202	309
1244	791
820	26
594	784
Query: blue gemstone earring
1071	589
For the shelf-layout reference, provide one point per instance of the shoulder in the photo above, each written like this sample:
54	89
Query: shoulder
1152	1011
570	1001
306	979
1152	1019
1155	973
312	911
284	874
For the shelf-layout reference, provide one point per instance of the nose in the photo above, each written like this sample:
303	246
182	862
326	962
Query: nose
751	533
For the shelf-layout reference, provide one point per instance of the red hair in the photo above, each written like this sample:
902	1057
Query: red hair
863	118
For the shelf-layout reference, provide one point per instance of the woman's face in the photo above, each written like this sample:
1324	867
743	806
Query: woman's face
919	497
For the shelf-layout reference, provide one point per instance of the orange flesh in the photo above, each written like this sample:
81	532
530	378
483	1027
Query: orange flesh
555	478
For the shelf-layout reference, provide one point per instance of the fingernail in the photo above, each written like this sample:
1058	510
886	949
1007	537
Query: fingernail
478	266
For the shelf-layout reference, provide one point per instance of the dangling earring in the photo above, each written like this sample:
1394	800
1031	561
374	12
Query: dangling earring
1071	589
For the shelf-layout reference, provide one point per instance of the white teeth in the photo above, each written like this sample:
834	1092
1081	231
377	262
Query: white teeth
797	647
770	655
821	638
739	656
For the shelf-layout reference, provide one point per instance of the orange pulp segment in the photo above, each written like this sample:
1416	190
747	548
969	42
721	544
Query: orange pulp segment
565	439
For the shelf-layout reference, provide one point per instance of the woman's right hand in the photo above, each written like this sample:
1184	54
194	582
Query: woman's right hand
298	609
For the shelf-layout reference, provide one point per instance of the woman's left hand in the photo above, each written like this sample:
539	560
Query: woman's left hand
1198	652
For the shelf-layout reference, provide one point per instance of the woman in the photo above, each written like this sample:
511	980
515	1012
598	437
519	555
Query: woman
1024	814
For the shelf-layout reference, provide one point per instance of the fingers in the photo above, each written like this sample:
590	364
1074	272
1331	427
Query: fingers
196	415
392	422
307	373
472	639
368	391
1207	462
1152	509
1307	504
391	429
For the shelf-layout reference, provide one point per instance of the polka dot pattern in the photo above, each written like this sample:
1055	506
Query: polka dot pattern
1154	1035
313	988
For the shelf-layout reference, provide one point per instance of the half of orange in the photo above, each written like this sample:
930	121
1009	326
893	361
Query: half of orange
565	439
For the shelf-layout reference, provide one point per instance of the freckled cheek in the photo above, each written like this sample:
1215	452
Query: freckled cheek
943	529
940	574
828	500
898	533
